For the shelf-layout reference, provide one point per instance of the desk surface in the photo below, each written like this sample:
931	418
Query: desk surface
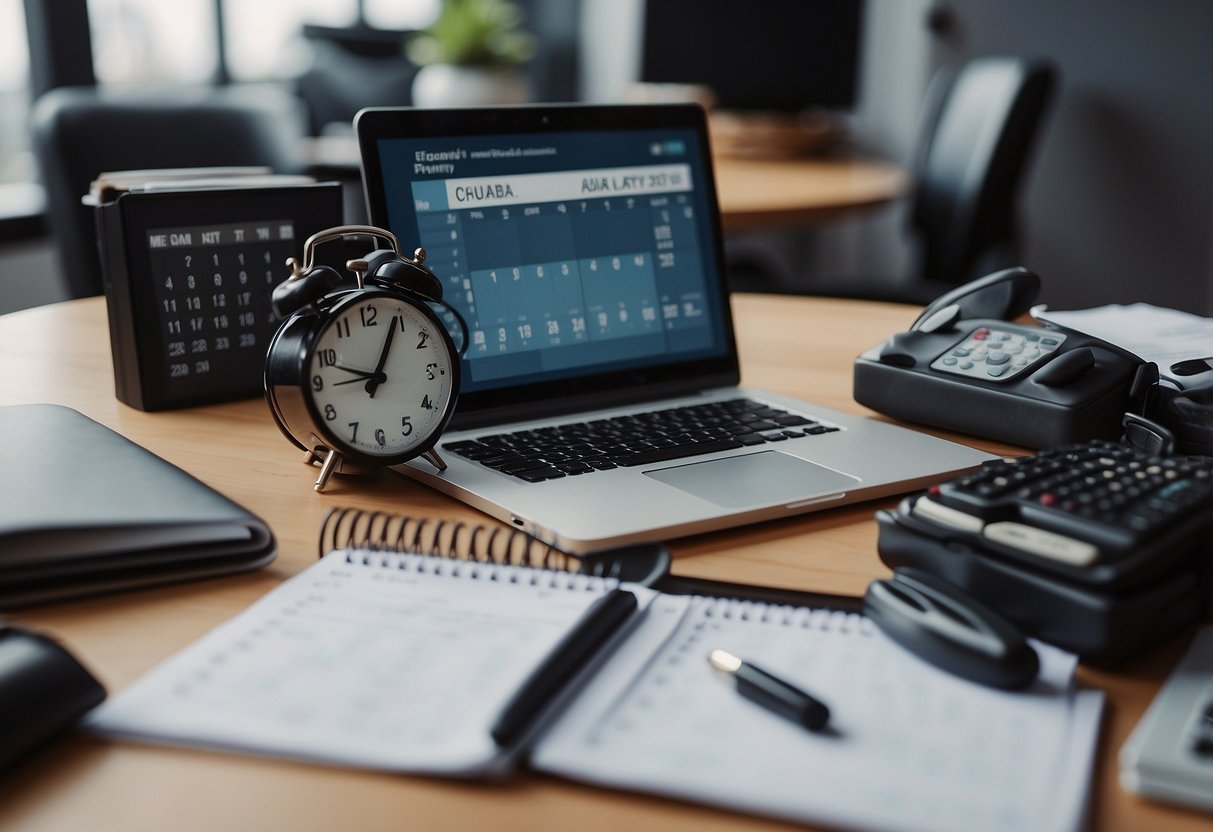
757	194
60	354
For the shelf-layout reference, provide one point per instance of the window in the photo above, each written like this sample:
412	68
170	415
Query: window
393	14
16	160
153	42
263	38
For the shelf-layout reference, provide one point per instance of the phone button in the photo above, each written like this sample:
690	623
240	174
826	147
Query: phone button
1043	543
947	516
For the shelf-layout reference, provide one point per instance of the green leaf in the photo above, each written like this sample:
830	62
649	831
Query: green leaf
474	33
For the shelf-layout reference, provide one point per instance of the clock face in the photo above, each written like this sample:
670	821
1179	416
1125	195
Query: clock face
382	376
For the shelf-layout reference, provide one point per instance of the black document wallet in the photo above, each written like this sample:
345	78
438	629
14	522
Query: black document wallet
86	510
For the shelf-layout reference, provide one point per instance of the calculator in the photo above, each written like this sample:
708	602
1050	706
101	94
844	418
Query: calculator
1098	513
1099	547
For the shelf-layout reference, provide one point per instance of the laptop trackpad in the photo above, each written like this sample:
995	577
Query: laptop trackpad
761	479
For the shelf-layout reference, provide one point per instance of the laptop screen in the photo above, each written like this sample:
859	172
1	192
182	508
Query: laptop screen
580	244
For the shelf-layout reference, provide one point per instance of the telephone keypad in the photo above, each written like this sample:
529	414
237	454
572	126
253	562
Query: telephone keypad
999	354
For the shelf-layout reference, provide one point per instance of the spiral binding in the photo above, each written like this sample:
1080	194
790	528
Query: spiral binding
381	531
808	617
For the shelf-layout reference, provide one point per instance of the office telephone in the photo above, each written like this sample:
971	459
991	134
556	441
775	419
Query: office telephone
965	365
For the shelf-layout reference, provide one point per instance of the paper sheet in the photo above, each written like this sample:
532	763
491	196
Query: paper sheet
400	665
1163	336
403	664
908	747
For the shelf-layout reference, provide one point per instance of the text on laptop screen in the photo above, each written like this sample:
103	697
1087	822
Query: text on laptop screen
569	253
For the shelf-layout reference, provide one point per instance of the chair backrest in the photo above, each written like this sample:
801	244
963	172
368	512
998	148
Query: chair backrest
979	124
79	132
352	68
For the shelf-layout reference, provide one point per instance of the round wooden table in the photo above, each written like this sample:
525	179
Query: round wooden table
798	346
760	194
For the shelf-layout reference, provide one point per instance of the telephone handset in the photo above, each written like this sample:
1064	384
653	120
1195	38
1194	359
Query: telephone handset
966	365
1185	405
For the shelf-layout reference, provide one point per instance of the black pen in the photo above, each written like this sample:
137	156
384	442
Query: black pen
598	623
772	693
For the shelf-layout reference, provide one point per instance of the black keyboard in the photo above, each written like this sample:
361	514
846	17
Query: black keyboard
1099	510
637	439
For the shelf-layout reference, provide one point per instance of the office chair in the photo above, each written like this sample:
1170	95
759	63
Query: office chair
352	68
978	126
79	132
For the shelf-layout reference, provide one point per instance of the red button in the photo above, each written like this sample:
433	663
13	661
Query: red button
1047	499
980	334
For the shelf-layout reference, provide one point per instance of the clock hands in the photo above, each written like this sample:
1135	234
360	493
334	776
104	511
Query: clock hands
359	375
372	383
373	378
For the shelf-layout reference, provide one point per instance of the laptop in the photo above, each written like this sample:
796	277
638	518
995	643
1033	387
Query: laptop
599	404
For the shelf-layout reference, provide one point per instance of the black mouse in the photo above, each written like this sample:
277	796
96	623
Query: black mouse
44	690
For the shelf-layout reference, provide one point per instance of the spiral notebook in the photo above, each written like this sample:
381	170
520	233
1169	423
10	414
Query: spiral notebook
403	661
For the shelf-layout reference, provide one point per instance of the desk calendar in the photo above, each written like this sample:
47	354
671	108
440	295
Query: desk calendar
188	277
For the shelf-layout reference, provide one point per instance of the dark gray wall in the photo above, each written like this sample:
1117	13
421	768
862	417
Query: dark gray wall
1119	206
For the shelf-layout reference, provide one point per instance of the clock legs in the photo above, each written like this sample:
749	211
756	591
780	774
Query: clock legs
331	460
431	456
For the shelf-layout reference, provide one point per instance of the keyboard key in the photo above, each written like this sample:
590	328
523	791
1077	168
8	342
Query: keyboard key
637	439
678	452
1101	507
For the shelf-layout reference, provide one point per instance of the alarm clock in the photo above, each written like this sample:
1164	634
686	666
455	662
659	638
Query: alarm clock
366	376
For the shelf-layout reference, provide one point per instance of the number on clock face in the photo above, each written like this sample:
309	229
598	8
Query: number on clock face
379	378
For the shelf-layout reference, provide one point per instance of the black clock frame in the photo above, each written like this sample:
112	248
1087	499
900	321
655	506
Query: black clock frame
287	382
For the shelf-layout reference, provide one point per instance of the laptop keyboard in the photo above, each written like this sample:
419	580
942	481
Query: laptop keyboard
638	439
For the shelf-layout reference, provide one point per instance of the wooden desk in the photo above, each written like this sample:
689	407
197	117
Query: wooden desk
61	354
761	194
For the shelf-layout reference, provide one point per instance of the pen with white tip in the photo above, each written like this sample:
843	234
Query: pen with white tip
771	692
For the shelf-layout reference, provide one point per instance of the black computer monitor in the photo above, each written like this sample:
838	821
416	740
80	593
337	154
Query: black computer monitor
775	55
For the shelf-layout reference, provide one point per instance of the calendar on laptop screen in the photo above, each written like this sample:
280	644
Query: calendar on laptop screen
562	252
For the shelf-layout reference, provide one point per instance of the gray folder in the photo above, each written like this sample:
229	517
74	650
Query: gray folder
85	510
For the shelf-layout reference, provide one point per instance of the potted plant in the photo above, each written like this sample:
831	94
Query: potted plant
473	53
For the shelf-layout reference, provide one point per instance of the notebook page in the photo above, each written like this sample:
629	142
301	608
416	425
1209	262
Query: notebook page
376	660
908	747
